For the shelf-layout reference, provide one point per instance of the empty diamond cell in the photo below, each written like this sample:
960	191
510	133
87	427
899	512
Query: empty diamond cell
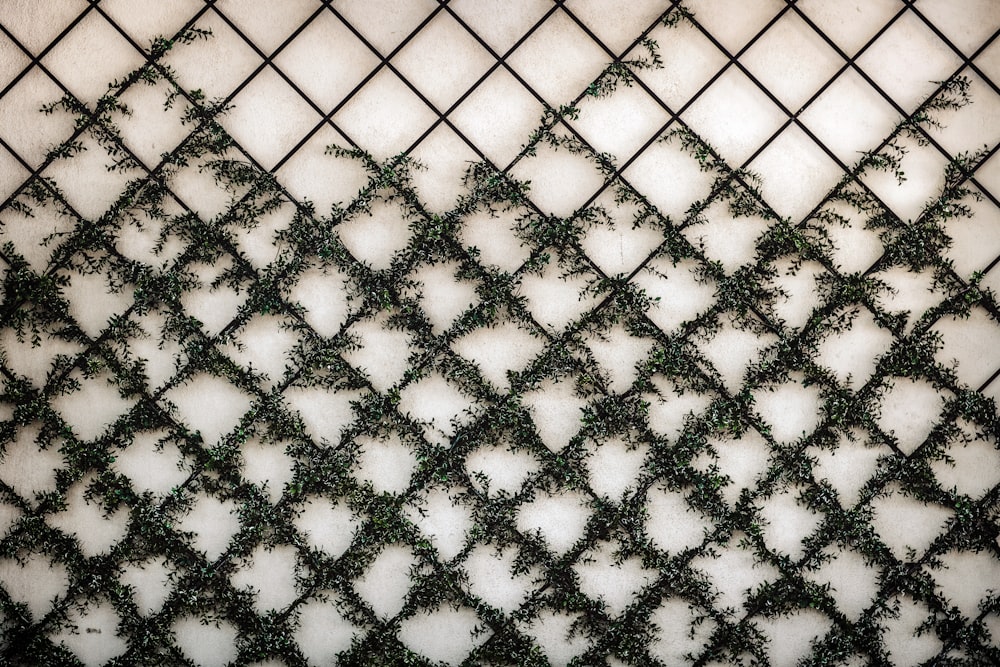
790	636
383	354
852	354
233	60
213	523
924	170
904	523
671	408
971	465
322	292
724	237
385	23
906	646
153	463
848	466
671	523
206	643
210	405
680	293
495	578
270	574
499	351
560	181
322	631
690	62
741	460
853	581
557	412
733	573
850	24
445	634
443	519
559	519
500	23
268	466
494	469
909	410
103	529
613	582
94	408
669	178
733	350
682	631
622	245
91	633
263	345
444	159
444	294
145	20
326	525
377	235
324	413
619	354
614	467
90	181
385	464
975	239
313	175
957	586
443	61
150	582
27	467
438	404
789	522
24	128
972	344
553	632
386	581
635	116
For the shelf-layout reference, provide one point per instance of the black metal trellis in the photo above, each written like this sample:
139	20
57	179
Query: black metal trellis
203	588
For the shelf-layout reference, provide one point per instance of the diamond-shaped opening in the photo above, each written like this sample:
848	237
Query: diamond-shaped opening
269	574
269	118
907	60
35	582
91	633
377	236
267	26
500	23
494	469
792	409
326	61
322	631
12	174
909	410
724	237
322	291
978	126
213	307
671	523
975	241
614	467
86	70
795	173
560	181
325	180
34	237
87	179
387	464
27	467
384	351
385	23
672	407
613	582
848	466
439	404
325	413
24	128
153	463
232	59
972	342
854	247
160	356
445	634
850	23
617	29
792	61
196	188
559	60
733	572
970	465
924	169
740	460
956	586
619	247
96	530
734	116
799	282
560	519
911	292
853	354
732	350
853	581
669	178
31	361
268	466
494	240
443	519
789	521
682	631
556	300
693	61
93	301
717	19
444	157
263	344
850	117
443	61
327	525
681	293
152	129
904	644
498	116
91	410
618	354
145	20
259	243
634	115
904	523
790	637
385	117
499	351
206	642
150	583
495	578
212	522
386	581
556	411
556	637
210	405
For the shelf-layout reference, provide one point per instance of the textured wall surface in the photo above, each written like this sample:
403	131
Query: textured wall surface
375	332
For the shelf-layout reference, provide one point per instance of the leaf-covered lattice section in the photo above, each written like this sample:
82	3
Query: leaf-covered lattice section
537	424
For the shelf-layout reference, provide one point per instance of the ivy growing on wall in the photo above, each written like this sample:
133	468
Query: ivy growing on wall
39	311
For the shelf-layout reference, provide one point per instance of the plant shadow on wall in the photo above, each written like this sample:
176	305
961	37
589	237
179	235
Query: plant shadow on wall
583	484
